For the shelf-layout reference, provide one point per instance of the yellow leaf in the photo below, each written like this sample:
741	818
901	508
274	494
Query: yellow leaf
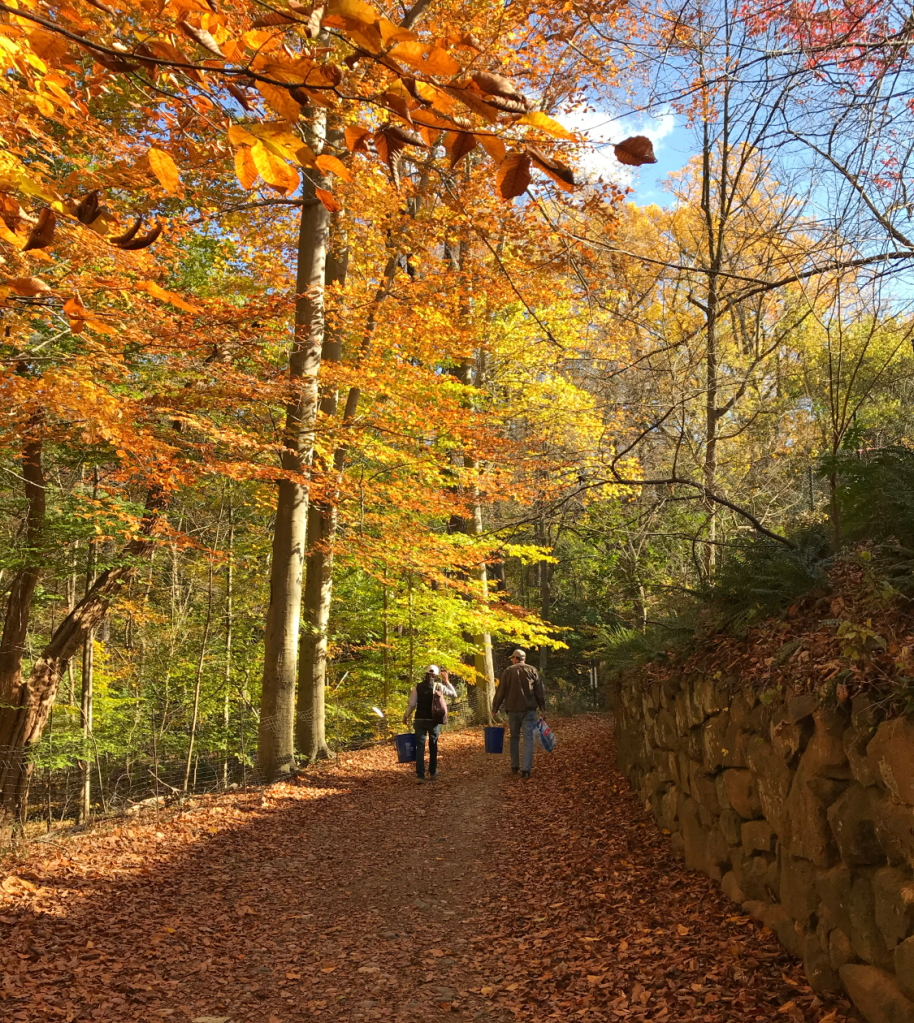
278	149
356	136
76	313
391	32
28	286
441	101
494	146
440	62
331	165
280	100
48	45
155	291
13	176
239	136
545	123
44	105
305	155
98	325
245	168
10	238
410	53
165	169
355	9
274	170
437	61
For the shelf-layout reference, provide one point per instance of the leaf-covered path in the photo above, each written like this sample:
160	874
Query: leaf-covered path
360	895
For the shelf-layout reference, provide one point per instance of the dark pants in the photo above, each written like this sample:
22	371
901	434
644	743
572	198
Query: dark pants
522	721
422	729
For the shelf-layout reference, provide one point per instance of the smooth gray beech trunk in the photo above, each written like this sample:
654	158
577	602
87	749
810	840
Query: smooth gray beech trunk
310	712
323	520
484	660
276	734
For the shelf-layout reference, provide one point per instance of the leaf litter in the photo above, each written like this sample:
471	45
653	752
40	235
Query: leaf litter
354	894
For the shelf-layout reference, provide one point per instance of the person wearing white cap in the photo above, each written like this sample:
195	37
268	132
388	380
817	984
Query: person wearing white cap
520	689
424	725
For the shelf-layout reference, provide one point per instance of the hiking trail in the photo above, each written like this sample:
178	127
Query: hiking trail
357	894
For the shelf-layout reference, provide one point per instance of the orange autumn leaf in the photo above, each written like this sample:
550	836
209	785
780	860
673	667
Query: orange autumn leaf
165	169
245	168
330	164
328	199
514	175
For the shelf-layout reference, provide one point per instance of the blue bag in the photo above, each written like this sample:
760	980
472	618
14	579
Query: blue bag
545	735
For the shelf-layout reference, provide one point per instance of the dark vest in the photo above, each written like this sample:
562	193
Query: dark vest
424	693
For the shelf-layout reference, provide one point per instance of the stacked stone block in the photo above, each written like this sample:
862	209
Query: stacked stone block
803	813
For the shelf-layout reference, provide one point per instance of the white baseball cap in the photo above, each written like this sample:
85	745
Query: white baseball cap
433	669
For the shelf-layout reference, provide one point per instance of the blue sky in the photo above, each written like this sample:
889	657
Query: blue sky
673	145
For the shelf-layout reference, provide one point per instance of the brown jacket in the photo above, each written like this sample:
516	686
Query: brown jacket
519	689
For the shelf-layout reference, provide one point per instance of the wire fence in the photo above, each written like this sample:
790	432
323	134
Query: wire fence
79	779
76	780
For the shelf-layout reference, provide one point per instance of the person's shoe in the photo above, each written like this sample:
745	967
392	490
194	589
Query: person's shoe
433	775
525	775
419	781
515	770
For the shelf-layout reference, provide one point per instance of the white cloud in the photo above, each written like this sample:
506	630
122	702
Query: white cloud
603	130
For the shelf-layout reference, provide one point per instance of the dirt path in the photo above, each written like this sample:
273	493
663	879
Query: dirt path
361	895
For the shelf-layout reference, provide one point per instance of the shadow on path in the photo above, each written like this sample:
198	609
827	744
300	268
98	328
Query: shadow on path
361	895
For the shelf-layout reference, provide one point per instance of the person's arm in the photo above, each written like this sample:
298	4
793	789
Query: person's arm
411	706
499	694
448	688
539	694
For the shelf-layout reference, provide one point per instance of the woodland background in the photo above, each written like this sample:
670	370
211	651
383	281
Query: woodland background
325	356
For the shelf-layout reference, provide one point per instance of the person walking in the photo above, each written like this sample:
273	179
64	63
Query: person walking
520	689
424	725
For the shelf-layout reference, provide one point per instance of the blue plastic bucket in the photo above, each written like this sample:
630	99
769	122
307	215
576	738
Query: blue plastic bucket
495	740
406	748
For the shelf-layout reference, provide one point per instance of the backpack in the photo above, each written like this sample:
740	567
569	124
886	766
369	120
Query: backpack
439	707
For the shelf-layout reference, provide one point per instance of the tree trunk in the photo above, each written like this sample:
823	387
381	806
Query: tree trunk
85	717
312	671
276	740
544	579
19	601
322	527
714	229
22	720
484	661
88	673
310	726
198	680
711	431
229	582
310	711
386	655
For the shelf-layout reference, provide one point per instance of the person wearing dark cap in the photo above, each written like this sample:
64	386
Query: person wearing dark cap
520	689
424	725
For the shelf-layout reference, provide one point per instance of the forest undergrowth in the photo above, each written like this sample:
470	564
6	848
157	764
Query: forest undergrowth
356	894
852	630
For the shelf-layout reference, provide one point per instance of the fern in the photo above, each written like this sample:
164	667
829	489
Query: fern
875	494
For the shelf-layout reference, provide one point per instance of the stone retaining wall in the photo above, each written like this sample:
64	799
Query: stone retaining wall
803	813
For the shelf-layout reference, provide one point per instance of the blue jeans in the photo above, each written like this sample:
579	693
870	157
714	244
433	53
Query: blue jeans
422	729
521	719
